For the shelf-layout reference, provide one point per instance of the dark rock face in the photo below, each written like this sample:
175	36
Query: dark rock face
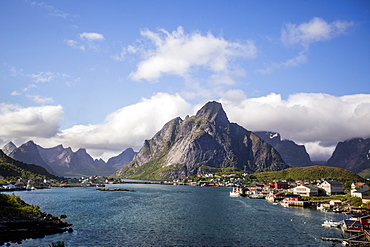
293	154
353	155
202	143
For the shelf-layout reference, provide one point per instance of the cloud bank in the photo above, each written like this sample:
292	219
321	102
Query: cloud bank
31	122
317	120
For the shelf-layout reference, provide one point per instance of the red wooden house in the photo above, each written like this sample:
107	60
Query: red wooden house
357	224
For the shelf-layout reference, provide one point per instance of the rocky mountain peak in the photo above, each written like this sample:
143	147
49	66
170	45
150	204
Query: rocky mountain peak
200	144
9	148
214	113
352	155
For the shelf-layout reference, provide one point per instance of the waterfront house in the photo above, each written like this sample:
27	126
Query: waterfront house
292	197
280	185
332	187
360	224
359	186
306	190
360	193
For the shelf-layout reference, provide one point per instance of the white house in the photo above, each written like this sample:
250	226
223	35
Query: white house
359	193
306	190
332	187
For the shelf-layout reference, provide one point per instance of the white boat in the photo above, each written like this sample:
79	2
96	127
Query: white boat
331	223
270	198
235	192
256	195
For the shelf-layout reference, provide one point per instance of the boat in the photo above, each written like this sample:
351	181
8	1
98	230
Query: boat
256	195
235	192
331	223
270	198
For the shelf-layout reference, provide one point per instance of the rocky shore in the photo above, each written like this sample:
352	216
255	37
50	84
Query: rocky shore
18	230
20	221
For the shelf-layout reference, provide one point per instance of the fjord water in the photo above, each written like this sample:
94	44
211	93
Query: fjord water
166	215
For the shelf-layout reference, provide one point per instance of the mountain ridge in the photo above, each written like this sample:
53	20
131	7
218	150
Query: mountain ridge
201	144
293	154
62	161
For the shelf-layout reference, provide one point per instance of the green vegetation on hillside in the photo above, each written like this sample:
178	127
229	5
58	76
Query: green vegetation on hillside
10	168
14	208
365	173
311	173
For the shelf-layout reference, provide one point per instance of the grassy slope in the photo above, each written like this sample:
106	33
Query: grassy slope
311	173
12	168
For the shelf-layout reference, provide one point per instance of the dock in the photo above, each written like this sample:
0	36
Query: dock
349	241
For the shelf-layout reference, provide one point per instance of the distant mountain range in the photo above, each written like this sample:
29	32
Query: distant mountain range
62	161
203	143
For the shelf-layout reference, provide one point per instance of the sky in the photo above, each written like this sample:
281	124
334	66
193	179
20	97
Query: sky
107	75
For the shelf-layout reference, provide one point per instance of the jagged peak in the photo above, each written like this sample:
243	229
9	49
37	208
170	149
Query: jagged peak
10	145
30	142
213	112
81	150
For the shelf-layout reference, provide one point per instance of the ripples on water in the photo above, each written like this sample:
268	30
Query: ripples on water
163	215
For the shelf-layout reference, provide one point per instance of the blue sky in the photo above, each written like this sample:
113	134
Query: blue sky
106	75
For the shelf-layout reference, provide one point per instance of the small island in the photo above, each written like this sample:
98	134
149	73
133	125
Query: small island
114	189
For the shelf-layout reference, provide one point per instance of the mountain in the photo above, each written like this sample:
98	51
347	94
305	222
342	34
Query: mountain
27	153
293	154
12	168
201	144
353	155
122	159
64	162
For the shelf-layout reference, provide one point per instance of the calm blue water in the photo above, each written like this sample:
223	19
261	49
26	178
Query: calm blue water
163	215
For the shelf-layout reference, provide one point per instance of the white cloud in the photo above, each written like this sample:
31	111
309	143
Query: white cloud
178	53
87	42
319	121
92	36
315	30
126	127
30	122
40	99
16	93
52	10
304	35
305	118
75	45
42	77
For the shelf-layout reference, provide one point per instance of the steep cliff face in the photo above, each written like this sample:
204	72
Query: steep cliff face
293	154
353	155
200	144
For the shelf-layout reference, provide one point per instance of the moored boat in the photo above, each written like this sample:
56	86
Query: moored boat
331	223
235	192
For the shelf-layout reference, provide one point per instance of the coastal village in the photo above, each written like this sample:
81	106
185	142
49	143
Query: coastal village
324	194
